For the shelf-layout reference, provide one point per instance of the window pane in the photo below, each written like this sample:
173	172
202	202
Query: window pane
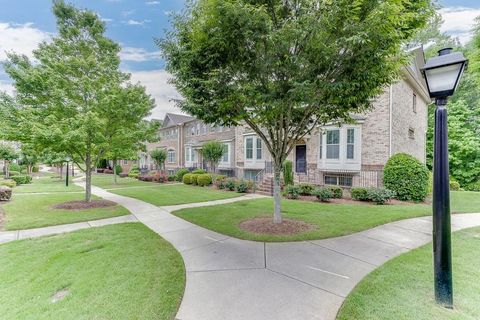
333	136
249	148
333	151
350	136
331	180
320	147
345	181
225	153
350	151
259	148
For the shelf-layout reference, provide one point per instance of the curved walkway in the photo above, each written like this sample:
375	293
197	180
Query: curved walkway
228	278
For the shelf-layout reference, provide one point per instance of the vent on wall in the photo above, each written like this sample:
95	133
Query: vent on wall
411	133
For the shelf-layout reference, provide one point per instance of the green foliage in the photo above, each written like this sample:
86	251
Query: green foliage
199	171
475	186
118	169
15	167
22	179
230	184
187	178
159	156
212	151
134	169
14	173
7	152
134	175
220	181
407	177
180	173
102	163
193	178
5	193
337	192
172	178
380	196
288	172
306	189
241	186
8	183
291	191
35	169
454	185
323	194
204	179
359	194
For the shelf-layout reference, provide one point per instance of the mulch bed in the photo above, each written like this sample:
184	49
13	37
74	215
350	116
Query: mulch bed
266	226
83	205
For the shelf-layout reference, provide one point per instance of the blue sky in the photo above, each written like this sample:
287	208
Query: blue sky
135	23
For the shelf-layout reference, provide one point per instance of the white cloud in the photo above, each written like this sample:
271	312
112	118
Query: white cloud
20	38
139	54
132	22
459	21
156	82
152	3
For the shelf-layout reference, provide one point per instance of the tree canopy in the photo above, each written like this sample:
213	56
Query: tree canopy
212	151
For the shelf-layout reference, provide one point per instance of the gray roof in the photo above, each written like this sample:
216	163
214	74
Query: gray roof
178	118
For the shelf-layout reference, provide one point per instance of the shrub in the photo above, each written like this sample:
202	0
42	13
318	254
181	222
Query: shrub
220	181
118	169
337	192
194	177
172	178
15	167
160	177
8	183
14	173
360	194
291	191
324	194
187	178
199	171
230	184
22	179
380	196
241	186
133	175
35	169
204	179
473	186
454	185
407	177
134	169
306	189
180	173
5	193
288	172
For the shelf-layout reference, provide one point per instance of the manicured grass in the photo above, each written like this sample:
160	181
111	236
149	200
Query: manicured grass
47	184
121	271
106	181
33	211
331	220
165	195
402	289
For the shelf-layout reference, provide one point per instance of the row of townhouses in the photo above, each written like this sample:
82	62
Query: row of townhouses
348	155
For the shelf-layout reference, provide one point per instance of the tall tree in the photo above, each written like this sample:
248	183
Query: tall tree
285	67
212	152
66	96
159	156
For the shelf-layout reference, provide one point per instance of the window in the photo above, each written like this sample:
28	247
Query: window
259	148
345	181
414	103
333	144
411	133
249	148
226	153
192	130
188	150
350	144
192	154
171	156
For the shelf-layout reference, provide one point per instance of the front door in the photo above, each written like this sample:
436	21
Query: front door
301	159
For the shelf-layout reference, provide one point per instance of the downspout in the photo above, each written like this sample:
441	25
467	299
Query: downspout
390	112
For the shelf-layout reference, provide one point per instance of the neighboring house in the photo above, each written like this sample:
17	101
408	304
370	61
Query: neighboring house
348	155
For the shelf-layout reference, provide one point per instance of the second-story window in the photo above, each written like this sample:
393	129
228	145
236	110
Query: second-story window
333	144
249	148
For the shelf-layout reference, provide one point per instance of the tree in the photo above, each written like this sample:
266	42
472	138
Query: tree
212	151
159	156
285	67
28	157
67	99
7	154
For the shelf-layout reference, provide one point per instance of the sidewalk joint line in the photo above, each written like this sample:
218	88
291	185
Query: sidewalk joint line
342	253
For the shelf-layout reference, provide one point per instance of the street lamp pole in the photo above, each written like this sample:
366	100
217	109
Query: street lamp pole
67	159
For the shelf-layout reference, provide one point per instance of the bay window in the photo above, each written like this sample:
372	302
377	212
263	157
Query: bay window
333	144
259	149
350	144
249	148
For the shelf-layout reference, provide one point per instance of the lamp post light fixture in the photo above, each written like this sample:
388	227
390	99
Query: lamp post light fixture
67	159
442	75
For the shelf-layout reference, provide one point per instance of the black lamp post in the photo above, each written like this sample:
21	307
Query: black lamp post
67	159
442	75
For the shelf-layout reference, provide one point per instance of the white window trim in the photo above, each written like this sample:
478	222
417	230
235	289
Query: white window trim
342	163
254	162
226	163
174	155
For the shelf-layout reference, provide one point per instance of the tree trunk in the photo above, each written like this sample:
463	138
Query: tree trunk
88	178
114	171
7	169
61	171
277	194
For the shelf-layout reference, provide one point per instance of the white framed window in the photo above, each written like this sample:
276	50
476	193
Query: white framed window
350	143
226	154
192	130
345	181
259	149
333	144
188	152
192	154
249	148
171	156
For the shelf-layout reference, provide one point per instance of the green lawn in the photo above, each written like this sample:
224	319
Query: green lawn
47	184
33	211
165	195
331	220
121	271
402	289
106	181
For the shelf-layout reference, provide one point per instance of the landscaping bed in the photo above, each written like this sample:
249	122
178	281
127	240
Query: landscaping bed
83	205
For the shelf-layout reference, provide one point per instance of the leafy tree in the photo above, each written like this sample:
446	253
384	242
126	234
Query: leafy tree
159	156
7	154
28	157
285	67
65	101
54	159
212	151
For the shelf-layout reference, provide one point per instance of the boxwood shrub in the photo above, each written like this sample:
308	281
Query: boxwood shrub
204	179
187	178
407	177
360	194
199	171
180	173
337	192
324	194
22	179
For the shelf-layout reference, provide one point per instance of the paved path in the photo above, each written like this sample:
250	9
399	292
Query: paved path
230	279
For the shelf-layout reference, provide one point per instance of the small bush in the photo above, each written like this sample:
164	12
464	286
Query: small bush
337	192
306	189
8	183
160	177
454	185
118	169
146	178
22	179
23	168
14	173
5	193
194	177
323	194
473	186
35	169
407	177
204	179
288	172
134	169
220	181
360	194
15	167
180	173
291	191
241	186
133	175
187	178
199	171
230	184
380	196
172	178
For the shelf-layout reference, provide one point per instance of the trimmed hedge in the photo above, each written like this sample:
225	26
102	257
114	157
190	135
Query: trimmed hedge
359	194
241	186
5	193
193	178
323	194
8	183
187	178
180	173
22	179
204	179
199	171
407	177
379	196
